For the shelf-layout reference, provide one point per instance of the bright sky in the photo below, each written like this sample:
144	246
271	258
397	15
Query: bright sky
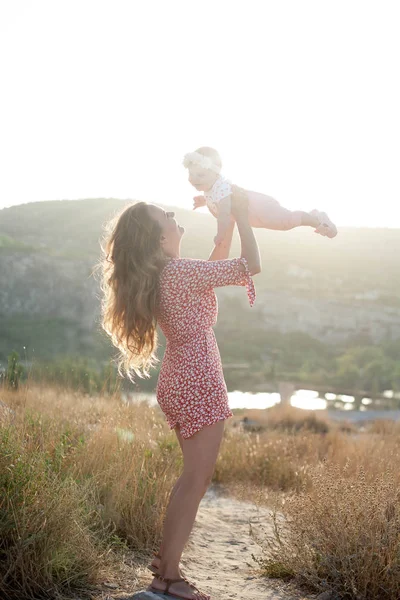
103	99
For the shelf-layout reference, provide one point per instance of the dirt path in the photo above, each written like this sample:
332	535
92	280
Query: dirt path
218	555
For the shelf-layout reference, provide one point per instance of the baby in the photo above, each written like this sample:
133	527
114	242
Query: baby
204	167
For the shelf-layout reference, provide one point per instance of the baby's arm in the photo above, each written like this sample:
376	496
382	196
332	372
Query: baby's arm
223	219
198	201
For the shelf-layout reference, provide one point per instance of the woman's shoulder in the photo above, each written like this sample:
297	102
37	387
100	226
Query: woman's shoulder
182	266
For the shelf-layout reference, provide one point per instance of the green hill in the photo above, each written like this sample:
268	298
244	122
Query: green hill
328	291
355	261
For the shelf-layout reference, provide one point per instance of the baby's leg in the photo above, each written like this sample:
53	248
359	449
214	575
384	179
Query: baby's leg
265	211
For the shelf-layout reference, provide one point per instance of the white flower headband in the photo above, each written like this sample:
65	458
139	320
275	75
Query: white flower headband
199	159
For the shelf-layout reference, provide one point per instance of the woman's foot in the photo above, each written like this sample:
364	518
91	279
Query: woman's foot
155	563
182	589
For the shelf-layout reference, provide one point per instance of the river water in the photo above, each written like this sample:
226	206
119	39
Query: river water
306	399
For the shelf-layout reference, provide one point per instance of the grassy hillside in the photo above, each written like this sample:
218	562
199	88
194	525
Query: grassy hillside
356	261
316	297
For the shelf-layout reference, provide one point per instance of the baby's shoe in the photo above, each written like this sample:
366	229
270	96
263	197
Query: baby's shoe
325	227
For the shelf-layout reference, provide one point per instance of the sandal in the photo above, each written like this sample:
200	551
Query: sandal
168	581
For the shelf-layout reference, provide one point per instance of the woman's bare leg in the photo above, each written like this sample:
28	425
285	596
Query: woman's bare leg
177	483
174	490
200	454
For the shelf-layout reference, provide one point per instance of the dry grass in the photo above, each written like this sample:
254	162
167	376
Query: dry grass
342	535
335	506
84	479
80	479
384	427
286	418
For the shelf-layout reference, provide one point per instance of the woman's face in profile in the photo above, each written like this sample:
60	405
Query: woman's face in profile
171	231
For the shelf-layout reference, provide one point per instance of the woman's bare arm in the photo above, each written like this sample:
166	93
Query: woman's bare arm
249	244
221	251
223	219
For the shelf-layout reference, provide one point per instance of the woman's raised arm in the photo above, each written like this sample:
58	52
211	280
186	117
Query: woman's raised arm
249	244
221	251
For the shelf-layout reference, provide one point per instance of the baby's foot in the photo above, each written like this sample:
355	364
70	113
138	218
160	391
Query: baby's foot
325	227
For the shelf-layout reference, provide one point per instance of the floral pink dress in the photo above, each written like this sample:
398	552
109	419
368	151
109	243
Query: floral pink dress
191	389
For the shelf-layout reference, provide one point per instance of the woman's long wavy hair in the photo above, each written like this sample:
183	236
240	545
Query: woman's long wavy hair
131	265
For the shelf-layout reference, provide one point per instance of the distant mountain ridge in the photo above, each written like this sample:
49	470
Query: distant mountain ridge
48	298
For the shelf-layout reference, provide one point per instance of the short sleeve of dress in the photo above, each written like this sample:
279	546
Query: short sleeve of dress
221	190
199	275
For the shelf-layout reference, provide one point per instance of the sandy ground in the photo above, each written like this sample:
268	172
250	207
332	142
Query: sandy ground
218	558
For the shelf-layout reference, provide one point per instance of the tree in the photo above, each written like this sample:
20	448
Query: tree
14	371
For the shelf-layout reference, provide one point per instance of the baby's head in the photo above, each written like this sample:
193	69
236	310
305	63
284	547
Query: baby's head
204	167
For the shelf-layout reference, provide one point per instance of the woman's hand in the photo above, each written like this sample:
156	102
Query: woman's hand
239	203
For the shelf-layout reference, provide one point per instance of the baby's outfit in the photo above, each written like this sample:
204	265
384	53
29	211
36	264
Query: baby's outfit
264	211
191	389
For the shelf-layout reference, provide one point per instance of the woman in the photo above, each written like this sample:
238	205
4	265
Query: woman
145	282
